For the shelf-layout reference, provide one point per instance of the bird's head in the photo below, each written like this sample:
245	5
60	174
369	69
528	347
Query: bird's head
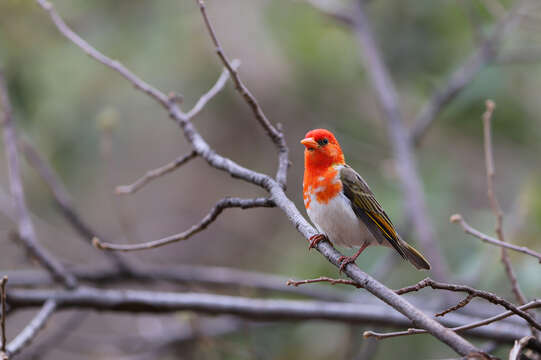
321	150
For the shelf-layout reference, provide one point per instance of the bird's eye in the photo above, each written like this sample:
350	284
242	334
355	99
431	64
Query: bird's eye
323	141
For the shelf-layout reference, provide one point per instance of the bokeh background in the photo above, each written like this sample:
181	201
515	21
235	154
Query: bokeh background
306	72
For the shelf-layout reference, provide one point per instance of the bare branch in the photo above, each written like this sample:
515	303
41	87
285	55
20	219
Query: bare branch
205	98
24	222
258	309
477	324
485	54
206	221
323	279
3	283
274	133
31	330
528	342
277	194
496	208
468	229
461	304
62	198
155	173
495	299
92	52
412	188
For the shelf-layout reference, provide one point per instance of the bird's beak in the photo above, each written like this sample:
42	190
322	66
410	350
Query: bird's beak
310	143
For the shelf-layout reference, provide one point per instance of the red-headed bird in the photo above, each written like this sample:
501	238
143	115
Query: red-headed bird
341	205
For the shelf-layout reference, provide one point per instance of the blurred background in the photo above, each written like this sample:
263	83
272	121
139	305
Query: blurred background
306	72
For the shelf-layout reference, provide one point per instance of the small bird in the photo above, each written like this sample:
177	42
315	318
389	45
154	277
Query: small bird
341	205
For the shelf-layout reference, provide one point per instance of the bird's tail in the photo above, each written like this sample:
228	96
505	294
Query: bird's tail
414	256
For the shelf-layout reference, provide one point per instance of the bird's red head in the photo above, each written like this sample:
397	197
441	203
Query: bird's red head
321	150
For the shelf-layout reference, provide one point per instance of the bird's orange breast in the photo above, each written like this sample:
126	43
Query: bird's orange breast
321	185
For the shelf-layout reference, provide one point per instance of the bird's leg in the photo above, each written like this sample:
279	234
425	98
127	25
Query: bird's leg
344	260
314	240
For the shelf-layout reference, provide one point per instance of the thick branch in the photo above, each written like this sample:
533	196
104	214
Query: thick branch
225	203
274	133
468	229
258	309
155	173
412	188
24	222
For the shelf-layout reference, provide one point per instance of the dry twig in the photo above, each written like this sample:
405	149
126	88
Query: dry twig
155	173
323	279
225	203
460	305
468	229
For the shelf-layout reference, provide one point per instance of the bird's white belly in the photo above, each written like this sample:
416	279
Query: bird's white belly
337	220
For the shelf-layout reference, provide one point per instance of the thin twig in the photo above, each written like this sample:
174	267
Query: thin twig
530	305
3	283
495	205
468	229
323	279
26	229
206	221
62	197
495	299
461	304
155	173
31	330
273	132
218	86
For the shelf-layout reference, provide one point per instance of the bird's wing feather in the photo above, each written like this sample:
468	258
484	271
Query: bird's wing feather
368	209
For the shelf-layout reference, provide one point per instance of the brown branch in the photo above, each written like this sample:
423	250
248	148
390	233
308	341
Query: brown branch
482	56
28	334
461	304
529	343
495	299
62	197
225	203
218	86
277	194
468	229
323	279
477	324
25	226
135	301
276	135
412	188
155	173
495	205
3	283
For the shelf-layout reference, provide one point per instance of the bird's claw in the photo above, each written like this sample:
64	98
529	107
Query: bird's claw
345	260
314	240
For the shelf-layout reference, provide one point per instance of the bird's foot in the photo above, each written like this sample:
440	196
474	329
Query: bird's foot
314	240
345	260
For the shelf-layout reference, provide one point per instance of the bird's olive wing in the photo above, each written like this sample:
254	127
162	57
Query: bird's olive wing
368	209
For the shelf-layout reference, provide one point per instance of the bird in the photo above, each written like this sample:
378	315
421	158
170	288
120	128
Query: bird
342	206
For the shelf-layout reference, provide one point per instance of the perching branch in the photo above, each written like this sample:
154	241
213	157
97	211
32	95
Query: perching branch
225	203
495	299
468	229
277	195
276	135
412	188
155	173
26	231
